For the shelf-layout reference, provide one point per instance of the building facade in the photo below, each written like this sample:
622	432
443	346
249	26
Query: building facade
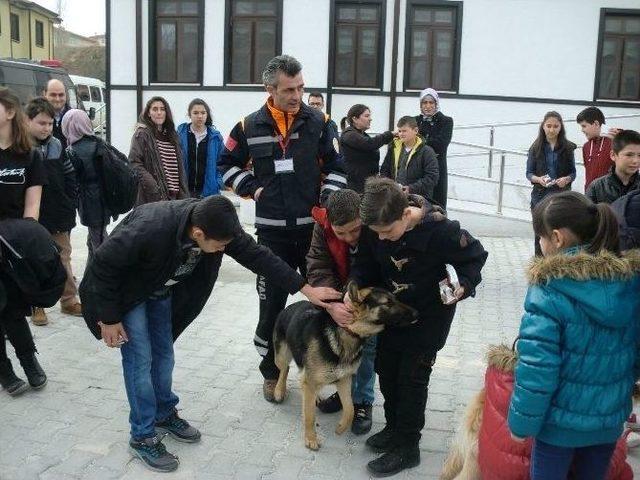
493	60
26	30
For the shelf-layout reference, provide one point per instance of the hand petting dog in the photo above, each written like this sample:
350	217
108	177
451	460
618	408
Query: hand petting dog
340	313
320	295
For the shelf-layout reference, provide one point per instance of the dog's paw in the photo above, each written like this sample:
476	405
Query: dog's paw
312	442
342	427
279	395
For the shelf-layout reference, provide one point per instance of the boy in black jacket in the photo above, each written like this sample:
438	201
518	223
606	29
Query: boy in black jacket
410	161
406	253
147	282
59	197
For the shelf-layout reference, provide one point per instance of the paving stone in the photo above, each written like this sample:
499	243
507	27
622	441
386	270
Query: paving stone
77	428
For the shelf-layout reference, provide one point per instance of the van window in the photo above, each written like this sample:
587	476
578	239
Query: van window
83	93
19	80
72	98
104	95
95	94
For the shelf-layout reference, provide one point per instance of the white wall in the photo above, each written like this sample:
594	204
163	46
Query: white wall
524	48
213	65
542	48
123	42
305	35
379	106
123	118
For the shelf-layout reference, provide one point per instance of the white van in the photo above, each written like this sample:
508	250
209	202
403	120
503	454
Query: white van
93	95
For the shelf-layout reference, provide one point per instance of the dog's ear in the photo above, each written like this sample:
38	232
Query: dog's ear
354	293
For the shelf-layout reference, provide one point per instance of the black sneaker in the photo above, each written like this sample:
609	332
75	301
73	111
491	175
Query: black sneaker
361	419
381	441
394	462
331	404
154	454
13	384
178	428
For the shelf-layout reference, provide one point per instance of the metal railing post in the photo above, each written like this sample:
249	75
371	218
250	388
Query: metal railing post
492	132
501	184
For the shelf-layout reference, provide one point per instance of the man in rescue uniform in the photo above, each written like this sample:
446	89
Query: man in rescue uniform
278	156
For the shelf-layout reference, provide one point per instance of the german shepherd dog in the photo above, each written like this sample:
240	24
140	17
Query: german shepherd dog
327	353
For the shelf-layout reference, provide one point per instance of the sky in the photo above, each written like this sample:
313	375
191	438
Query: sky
86	17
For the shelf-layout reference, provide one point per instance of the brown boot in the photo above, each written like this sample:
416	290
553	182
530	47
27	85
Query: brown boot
74	309
39	317
268	390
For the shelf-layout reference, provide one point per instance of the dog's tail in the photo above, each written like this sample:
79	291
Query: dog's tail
462	461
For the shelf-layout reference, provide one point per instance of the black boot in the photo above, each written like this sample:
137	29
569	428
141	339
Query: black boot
395	461
13	384
362	420
33	370
382	441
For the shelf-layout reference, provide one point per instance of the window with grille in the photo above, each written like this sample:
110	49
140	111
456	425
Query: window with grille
431	52
253	37
618	76
358	50
177	51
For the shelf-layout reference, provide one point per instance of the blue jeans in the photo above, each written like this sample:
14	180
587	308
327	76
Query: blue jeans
147	364
365	378
550	462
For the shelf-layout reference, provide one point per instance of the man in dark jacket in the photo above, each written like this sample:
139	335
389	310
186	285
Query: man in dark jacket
410	161
56	94
436	128
147	282
276	156
623	177
59	197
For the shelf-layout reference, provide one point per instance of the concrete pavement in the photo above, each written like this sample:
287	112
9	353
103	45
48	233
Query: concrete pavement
76	428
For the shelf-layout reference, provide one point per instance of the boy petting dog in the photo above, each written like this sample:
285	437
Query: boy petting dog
407	252
333	245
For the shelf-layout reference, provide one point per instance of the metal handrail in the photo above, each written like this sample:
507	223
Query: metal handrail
492	131
490	148
528	122
101	127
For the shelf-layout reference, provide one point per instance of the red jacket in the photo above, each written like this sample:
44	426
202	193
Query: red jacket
596	154
338	249
500	457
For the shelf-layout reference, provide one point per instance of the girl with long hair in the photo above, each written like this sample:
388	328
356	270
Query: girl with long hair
201	145
22	175
156	155
551	166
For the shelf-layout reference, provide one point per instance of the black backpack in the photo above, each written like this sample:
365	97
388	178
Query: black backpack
30	260
118	181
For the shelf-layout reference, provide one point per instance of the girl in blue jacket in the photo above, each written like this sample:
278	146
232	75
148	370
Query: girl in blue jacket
579	340
201	145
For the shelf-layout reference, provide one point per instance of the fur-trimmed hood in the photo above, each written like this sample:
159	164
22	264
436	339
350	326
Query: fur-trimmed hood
582	267
502	357
603	285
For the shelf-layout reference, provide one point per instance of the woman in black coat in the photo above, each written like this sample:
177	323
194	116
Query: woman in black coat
436	128
360	151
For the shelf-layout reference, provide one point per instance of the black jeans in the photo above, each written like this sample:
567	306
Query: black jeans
292	247
19	334
404	383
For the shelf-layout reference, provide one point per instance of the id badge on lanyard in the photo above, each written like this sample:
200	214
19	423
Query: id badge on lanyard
284	164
